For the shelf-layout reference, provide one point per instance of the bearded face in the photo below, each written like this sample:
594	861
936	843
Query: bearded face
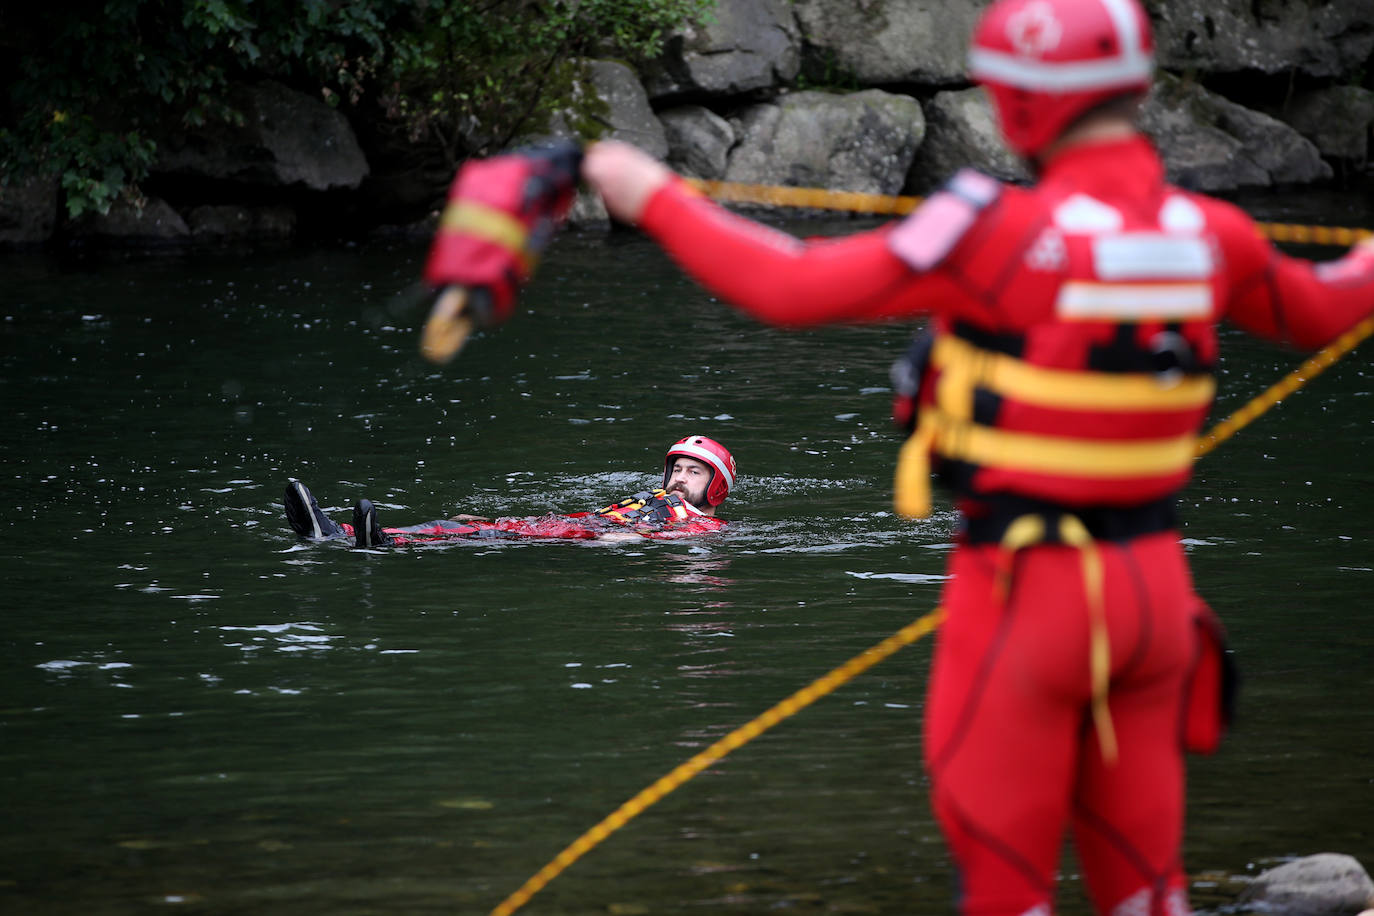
690	478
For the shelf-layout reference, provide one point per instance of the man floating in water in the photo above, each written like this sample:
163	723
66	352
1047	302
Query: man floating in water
698	473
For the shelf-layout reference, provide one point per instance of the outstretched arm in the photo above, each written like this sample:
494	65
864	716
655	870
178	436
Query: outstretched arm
1289	299
768	274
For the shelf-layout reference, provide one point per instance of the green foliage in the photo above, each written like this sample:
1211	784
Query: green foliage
90	85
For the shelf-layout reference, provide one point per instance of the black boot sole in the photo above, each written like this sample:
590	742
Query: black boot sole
304	516
367	532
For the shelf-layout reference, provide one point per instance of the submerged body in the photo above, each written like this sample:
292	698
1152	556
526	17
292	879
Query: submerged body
658	516
654	518
698	474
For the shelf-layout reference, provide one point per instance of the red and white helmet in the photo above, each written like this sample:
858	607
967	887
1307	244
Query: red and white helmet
1047	62
711	453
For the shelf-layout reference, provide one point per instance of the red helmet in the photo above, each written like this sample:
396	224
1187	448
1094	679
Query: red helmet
710	453
1046	62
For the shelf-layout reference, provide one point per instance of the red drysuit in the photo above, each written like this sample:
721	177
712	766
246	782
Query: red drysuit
657	516
1074	328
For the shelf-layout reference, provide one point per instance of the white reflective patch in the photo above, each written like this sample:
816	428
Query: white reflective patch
1081	213
1151	256
1048	253
1179	214
1137	301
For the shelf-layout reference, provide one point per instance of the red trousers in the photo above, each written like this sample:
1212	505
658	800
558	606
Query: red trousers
1010	745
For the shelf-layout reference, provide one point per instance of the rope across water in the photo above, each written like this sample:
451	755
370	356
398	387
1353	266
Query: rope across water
892	205
736	739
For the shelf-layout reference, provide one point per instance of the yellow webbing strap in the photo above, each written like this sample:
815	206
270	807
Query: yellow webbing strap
911	484
1073	532
737	738
1035	453
1041	386
489	223
1029	530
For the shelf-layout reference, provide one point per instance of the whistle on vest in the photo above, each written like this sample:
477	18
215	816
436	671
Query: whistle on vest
501	214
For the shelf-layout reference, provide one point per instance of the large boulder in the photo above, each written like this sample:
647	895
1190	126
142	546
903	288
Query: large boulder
889	41
608	102
28	210
1326	884
148	221
231	222
746	45
962	131
1324	39
1212	144
1337	119
699	141
287	138
863	141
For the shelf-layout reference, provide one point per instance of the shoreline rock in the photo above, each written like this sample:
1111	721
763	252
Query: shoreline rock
1324	884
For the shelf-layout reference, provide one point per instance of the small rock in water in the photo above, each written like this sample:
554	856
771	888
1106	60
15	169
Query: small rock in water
1326	884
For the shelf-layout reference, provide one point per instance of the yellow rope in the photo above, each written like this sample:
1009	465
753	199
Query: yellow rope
858	202
1314	235
1310	369
813	198
737	738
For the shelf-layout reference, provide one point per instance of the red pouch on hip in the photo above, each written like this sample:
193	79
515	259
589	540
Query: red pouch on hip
1210	691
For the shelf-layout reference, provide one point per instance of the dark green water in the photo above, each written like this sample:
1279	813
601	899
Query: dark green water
199	714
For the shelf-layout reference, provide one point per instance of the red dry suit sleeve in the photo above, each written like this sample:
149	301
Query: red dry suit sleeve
775	277
1291	300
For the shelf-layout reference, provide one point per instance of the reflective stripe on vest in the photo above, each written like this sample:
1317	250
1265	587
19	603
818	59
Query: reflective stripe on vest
948	429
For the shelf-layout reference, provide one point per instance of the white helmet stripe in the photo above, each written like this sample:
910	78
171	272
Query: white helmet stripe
1013	70
708	457
1129	67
